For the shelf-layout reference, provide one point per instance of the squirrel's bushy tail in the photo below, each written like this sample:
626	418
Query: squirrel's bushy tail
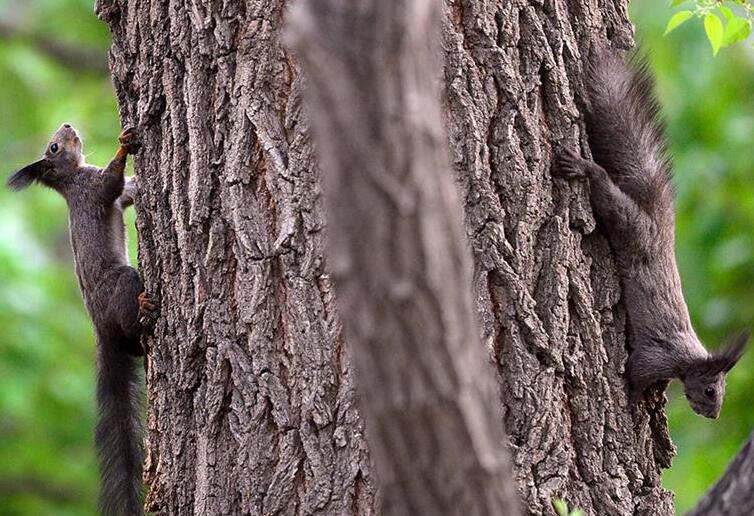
118	433
625	132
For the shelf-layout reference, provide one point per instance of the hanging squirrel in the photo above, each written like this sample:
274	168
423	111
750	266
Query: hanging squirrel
114	296
632	199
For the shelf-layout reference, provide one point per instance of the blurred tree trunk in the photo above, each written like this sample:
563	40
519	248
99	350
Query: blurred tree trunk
399	255
733	494
251	391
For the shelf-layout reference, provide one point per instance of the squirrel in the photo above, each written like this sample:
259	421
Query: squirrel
632	200
114	297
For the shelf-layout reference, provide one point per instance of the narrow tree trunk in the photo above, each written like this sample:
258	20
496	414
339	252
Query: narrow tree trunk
733	494
400	257
251	399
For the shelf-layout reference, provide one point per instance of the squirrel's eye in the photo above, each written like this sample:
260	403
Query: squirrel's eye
54	148
709	392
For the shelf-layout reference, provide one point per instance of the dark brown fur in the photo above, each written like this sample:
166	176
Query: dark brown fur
632	199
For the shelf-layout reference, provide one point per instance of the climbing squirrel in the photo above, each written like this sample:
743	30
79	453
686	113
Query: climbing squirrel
632	200
114	296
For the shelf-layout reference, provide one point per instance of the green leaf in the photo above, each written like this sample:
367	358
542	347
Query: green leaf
714	29
560	507
676	20
726	12
577	512
737	29
676	3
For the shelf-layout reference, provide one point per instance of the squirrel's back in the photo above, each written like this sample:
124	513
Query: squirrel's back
625	132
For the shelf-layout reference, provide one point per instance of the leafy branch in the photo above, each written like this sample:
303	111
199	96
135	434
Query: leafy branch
723	25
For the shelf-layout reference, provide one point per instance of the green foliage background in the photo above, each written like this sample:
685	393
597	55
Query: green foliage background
708	103
46	343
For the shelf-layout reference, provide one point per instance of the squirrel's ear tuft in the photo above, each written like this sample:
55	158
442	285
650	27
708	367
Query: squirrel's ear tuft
728	358
28	175
736	349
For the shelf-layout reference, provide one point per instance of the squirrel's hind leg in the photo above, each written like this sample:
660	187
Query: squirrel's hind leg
129	307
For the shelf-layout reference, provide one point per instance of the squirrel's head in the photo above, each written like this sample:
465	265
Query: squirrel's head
704	382
65	147
61	159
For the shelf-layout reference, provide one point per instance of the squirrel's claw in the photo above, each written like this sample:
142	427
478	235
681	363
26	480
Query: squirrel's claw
129	140
148	309
568	163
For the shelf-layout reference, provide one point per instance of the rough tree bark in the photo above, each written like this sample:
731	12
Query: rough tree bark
546	286
398	252
733	494
252	405
251	398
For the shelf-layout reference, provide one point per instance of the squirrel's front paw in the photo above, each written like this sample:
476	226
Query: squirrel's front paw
568	163
129	140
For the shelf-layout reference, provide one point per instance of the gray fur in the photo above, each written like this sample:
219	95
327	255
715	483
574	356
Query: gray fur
111	289
632	199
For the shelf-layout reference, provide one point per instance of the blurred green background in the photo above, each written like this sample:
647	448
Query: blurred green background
52	54
708	103
53	65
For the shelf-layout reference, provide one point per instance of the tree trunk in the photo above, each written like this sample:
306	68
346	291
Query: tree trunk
251	392
546	286
733	494
251	396
399	255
